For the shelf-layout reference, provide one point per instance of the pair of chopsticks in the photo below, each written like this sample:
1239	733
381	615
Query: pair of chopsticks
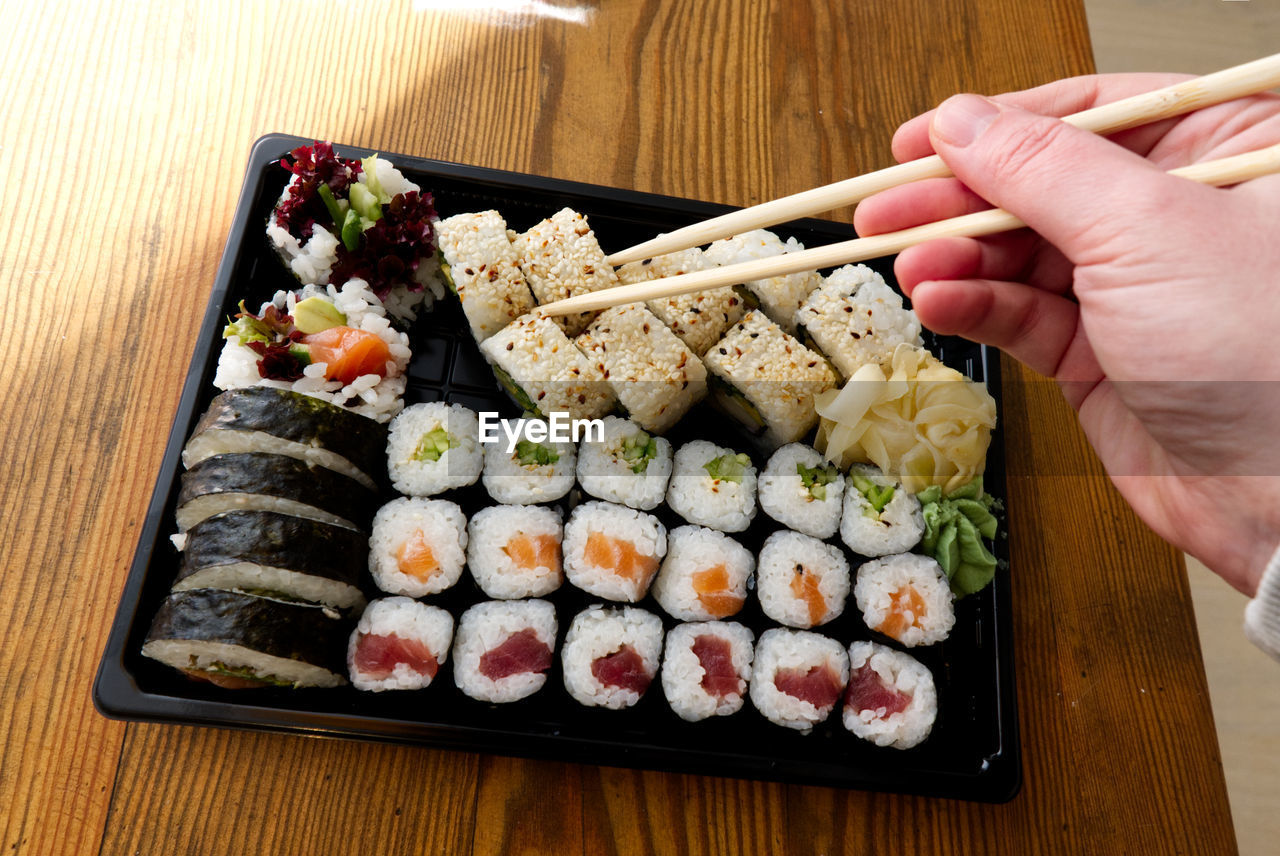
1181	98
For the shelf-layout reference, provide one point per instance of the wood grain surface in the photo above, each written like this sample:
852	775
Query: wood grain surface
126	127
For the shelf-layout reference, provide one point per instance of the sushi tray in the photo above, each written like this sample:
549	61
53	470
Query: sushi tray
553	695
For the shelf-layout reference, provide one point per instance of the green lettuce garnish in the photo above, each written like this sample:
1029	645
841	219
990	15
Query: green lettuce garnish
816	479
955	528
531	454
728	467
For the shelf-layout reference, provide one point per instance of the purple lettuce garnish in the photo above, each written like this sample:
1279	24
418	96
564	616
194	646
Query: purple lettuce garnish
392	248
313	165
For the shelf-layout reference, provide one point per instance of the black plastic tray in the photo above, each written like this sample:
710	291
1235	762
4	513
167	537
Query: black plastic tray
972	754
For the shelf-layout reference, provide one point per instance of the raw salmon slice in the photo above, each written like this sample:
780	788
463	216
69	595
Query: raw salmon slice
904	600
712	588
534	551
348	353
804	585
416	559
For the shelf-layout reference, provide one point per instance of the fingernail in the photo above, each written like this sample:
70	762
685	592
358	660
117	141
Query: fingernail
961	119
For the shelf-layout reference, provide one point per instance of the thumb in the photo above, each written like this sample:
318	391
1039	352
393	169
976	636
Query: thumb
1080	191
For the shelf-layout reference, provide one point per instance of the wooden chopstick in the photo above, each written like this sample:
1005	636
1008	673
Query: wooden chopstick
1236	82
1218	173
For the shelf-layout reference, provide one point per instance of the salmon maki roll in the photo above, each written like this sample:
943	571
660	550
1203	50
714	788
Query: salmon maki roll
418	546
399	644
610	656
907	598
612	551
802	582
706	669
704	575
513	551
798	677
503	649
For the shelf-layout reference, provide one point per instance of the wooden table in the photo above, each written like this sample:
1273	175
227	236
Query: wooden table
126	126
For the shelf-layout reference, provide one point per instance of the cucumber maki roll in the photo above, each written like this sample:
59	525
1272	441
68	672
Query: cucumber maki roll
282	422
480	266
880	516
532	472
259	481
802	491
265	552
626	465
713	486
434	447
242	641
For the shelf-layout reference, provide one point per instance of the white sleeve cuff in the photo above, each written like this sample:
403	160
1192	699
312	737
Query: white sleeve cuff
1262	614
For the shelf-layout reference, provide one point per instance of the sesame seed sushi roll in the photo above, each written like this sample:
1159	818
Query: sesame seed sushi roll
891	699
627	465
797	677
543	372
906	597
653	373
418	546
514	550
612	551
704	575
561	258
532	472
713	486
502	649
801	581
610	656
880	516
767	380
399	644
699	319
480	266
802	491
434	447
778	296
706	668
856	319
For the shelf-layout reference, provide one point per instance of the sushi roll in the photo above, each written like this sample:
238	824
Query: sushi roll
706	668
340	218
653	373
418	546
480	266
514	550
802	491
612	551
778	296
704	575
561	258
699	319
502	649
907	598
713	486
767	380
530	473
399	644
797	677
856	319
266	551
610	656
626	465
434	447
237	640
880	516
259	481
283	422
543	372
801	581
891	700
331	343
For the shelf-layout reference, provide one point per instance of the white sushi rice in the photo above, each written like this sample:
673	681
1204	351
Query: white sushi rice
800	650
784	556
599	632
376	396
485	271
486	626
408	619
904	674
694	549
896	528
699	319
312	260
682	671
488	533
784	497
512	482
878	588
855	318
605	473
644	531
778	296
695	495
442	527
419	469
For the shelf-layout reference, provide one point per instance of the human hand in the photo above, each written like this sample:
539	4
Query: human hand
1154	301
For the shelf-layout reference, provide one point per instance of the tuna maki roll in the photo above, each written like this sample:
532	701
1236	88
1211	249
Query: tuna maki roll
612	551
530	473
907	598
856	319
704	575
543	372
880	516
502	649
513	551
561	258
610	656
434	447
797	677
626	465
699	319
801	581
713	486
891	700
481	267
418	546
399	644
802	491
779	296
706	668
